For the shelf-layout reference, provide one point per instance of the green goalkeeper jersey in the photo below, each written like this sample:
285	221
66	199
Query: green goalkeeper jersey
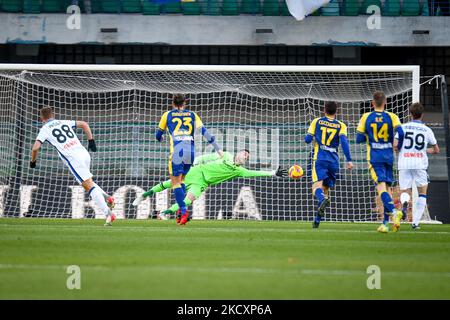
215	170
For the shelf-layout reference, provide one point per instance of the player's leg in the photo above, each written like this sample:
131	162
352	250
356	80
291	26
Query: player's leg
80	168
150	192
98	196
188	159
421	179
176	171
319	173
396	214
405	182
328	183
194	191
379	176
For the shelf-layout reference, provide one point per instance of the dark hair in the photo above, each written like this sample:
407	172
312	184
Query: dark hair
47	113
416	110
379	98
330	107
178	100
246	150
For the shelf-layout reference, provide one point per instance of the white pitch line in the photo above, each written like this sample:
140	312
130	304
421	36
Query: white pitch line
224	229
251	270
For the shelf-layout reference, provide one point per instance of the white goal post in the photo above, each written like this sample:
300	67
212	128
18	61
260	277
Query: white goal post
265	109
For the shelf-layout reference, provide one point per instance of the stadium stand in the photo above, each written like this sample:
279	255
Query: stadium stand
228	7
150	8
366	4
191	8
391	8
350	8
331	9
411	8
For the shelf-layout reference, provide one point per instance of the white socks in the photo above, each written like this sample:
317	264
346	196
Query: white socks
98	196
105	195
421	203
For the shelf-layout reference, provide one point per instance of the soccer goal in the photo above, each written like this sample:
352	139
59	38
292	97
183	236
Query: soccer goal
265	109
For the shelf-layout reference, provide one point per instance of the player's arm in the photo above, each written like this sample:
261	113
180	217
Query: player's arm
398	140
345	146
246	173
88	132
206	158
397	126
311	131
434	149
207	135
432	143
361	136
161	127
34	153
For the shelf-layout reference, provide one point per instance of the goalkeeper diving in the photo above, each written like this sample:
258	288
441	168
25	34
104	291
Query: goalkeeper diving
209	170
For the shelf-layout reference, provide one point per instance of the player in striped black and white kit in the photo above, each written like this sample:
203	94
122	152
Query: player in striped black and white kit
413	145
61	136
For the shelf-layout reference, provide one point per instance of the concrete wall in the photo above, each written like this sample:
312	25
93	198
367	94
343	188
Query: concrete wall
223	30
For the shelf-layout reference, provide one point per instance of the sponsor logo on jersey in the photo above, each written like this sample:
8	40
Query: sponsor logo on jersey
378	145
70	144
413	155
328	148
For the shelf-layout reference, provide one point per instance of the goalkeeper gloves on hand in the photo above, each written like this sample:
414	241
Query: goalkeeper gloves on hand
33	164
92	146
281	172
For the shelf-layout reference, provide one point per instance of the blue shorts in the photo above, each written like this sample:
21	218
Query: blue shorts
382	172
325	171
180	163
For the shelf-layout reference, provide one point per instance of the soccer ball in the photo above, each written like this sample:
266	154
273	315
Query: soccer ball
295	172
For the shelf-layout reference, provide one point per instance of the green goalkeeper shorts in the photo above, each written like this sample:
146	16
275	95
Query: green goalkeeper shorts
195	182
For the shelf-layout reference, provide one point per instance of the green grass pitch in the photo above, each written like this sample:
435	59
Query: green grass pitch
220	260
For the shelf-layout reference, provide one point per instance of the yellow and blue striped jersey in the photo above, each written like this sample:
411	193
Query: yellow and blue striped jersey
326	132
379	129
181	126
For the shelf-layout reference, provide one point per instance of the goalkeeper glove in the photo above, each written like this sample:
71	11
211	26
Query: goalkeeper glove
281	172
33	164
92	146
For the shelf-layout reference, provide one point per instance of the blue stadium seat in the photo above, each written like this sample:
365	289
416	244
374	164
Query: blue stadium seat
212	8
391	8
368	3
271	8
51	6
131	6
350	8
425	9
11	5
284	9
172	7
230	8
331	9
192	8
150	8
96	6
411	8
250	6
31	6
111	6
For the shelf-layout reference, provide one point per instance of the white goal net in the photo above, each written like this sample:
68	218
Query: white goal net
266	110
